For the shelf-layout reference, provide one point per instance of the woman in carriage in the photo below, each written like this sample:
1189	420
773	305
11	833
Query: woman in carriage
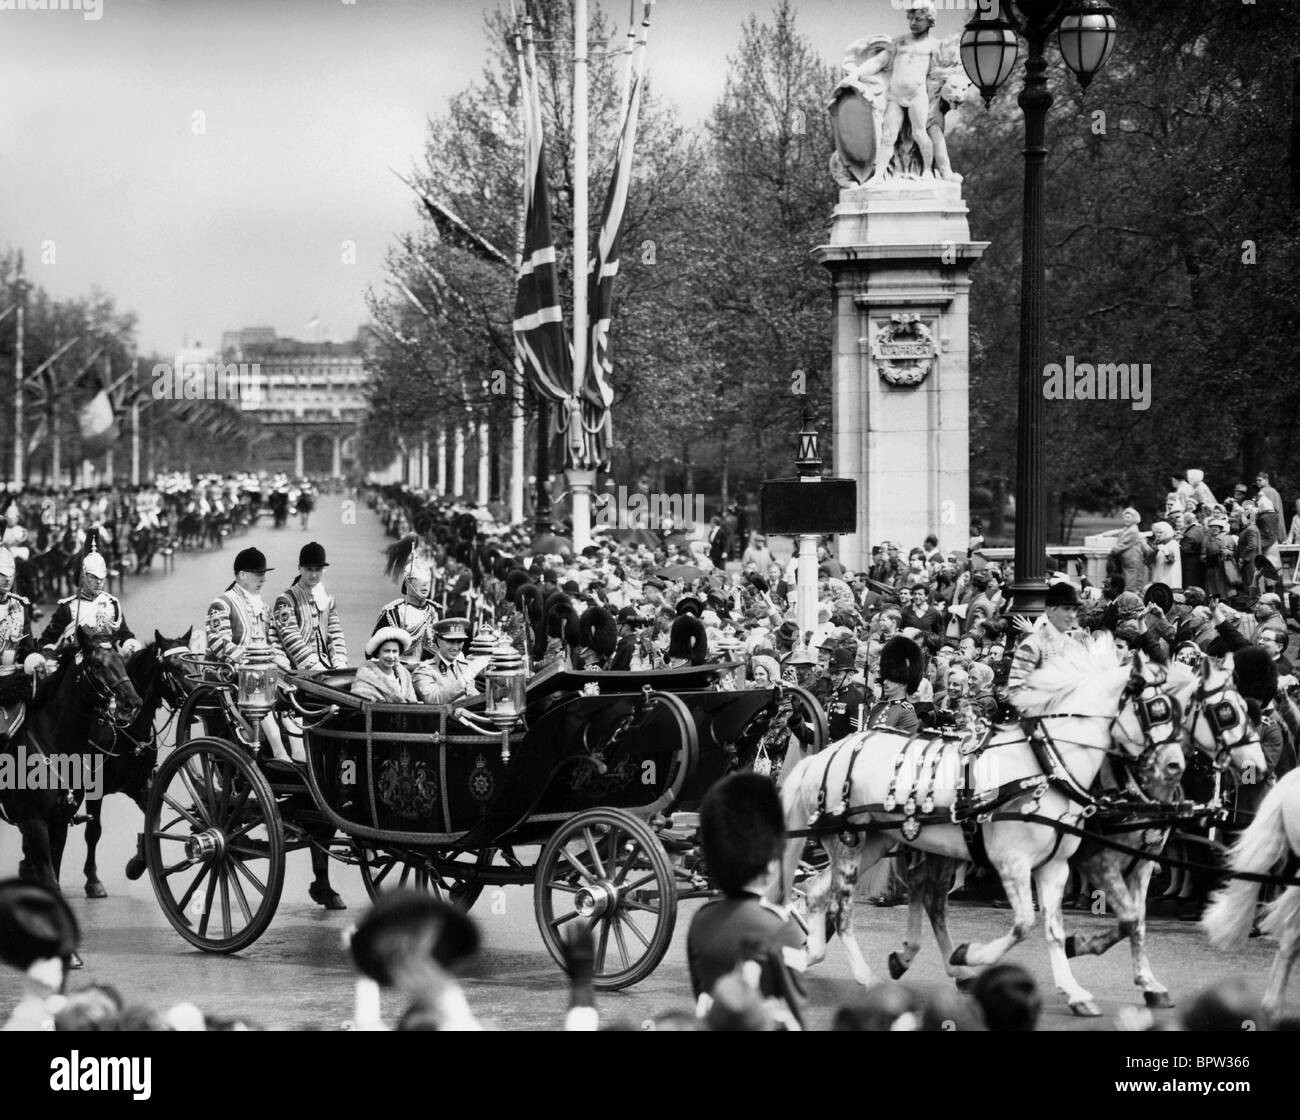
383	678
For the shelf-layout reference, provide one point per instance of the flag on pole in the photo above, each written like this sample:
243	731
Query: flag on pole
540	338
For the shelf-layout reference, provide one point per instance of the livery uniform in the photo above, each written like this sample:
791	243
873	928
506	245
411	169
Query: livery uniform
1041	644
236	620
307	632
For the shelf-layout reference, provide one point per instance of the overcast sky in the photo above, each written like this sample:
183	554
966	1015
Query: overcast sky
306	105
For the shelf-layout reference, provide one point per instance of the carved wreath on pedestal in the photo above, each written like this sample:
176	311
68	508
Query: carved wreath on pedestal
903	350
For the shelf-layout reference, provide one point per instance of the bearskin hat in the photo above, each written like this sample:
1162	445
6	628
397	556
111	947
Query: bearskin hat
902	662
742	829
1063	594
562	620
598	630
1255	673
515	579
689	639
690	604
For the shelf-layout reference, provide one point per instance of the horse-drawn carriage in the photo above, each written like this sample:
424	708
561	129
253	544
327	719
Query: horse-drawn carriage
600	772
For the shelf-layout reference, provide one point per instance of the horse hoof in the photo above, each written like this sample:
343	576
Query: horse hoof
327	897
75	961
958	957
95	889
1158	999
966	984
896	967
1070	947
135	867
1086	1009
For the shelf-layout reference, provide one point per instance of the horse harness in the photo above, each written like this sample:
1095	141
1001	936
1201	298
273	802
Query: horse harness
972	810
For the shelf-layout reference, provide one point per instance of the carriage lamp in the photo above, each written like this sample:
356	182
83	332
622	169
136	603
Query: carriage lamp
730	650
258	676
506	682
483	644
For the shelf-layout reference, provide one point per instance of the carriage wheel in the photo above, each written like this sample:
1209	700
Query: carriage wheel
202	714
607	869
451	876
214	845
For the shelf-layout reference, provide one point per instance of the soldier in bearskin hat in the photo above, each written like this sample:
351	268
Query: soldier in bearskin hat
742	833
599	634
688	642
902	665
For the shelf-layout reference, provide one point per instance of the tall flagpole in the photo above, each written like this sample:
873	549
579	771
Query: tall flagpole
20	437
517	428
580	481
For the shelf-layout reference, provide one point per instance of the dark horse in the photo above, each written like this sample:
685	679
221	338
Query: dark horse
130	761
74	715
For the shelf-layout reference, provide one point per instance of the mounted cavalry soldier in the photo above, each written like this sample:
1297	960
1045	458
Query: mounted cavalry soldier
306	630
91	609
413	610
448	675
18	653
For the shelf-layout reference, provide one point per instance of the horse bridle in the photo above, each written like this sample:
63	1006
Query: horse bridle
1221	716
106	696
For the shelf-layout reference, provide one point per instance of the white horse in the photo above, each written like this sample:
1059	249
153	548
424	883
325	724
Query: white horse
1078	697
1175	704
1272	836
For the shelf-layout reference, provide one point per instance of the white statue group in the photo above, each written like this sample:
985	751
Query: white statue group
913	78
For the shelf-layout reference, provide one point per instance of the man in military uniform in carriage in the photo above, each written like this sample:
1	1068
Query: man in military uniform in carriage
448	676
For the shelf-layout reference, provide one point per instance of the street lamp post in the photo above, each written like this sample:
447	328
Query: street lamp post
20	437
989	50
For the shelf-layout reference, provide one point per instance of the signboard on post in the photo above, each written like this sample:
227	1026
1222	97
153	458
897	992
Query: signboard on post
790	506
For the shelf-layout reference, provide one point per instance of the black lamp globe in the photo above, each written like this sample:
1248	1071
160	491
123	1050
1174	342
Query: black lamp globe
1087	38
989	50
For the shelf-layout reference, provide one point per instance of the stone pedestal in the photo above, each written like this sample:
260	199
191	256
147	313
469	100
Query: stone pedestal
900	257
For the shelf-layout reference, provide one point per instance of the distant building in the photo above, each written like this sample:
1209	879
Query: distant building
309	398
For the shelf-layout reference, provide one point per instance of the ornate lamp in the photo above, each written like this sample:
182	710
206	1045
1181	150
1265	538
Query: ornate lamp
258	676
989	50
1087	38
506	680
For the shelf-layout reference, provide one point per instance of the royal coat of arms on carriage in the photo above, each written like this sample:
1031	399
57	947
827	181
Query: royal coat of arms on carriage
481	782
406	786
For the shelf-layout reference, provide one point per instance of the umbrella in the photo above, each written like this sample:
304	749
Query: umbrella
681	571
636	536
550	542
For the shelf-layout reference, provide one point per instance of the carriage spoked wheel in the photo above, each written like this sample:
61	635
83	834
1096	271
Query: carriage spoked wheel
606	869
451	876
214	845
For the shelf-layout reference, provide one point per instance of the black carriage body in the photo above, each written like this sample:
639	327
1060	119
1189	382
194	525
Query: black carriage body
420	775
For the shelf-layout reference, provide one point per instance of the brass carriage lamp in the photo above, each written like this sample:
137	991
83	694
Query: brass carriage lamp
729	649
506	686
258	676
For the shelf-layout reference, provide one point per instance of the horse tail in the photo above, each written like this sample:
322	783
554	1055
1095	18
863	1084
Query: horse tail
1231	912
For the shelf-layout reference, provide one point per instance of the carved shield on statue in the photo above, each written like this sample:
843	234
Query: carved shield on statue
853	124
